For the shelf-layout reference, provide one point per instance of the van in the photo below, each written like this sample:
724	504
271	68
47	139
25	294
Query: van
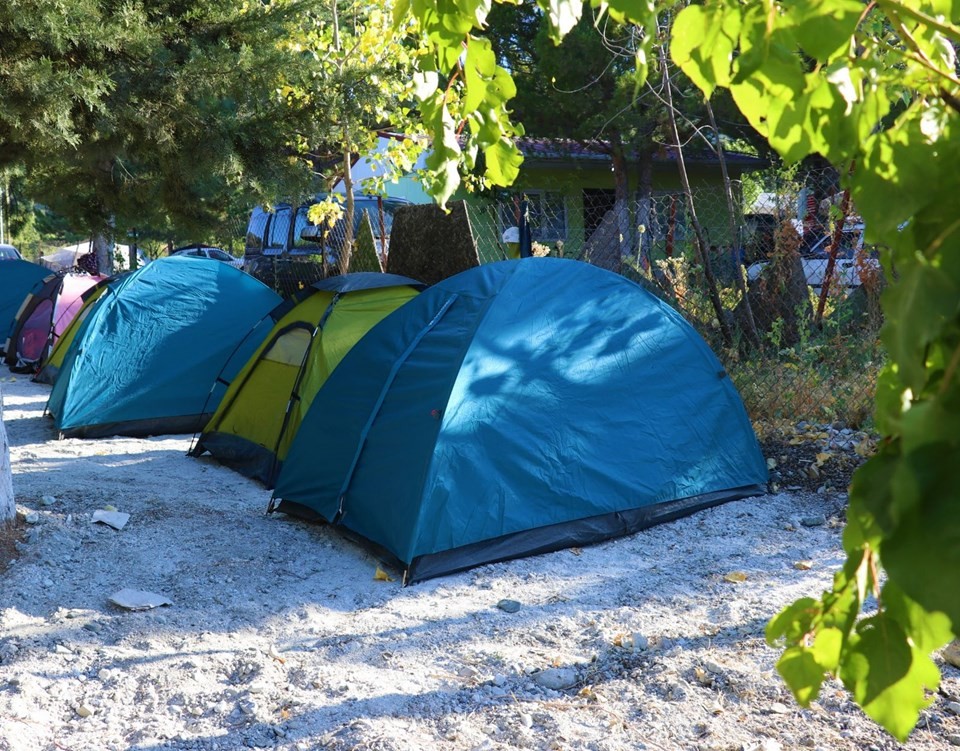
286	251
852	260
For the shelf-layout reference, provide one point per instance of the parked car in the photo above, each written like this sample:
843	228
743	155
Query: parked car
9	253
852	258
209	251
286	251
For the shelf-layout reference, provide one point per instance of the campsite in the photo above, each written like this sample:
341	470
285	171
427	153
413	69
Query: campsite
169	590
281	634
531	399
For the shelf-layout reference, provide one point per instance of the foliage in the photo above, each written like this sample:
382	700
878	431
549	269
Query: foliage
358	78
584	87
874	86
52	63
366	257
158	113
827	377
472	103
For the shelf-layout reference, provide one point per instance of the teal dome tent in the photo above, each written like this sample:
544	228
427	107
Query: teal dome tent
17	279
517	408
146	358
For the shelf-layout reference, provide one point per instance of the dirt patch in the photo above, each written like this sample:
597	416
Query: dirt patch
815	458
10	534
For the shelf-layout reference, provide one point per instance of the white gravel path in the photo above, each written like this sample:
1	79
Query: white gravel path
280	637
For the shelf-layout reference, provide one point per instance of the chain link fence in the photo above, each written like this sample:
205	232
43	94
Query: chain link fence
797	332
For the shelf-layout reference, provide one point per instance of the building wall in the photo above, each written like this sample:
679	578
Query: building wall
572	182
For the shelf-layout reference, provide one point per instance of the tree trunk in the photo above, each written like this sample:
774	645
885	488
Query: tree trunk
645	187
8	509
347	250
835	241
103	252
702	247
739	273
621	204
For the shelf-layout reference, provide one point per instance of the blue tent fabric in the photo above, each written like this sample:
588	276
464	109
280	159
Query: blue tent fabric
146	359
17	279
515	408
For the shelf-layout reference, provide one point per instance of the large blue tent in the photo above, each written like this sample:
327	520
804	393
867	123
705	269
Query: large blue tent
17	279
517	408
146	358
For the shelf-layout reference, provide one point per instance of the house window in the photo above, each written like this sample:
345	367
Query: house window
596	205
547	213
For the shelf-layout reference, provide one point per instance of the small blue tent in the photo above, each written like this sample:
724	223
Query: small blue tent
17	279
516	408
146	358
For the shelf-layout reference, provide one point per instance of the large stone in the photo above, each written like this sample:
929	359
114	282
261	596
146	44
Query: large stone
557	679
951	653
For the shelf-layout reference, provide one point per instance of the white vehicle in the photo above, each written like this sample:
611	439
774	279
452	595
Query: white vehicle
851	260
9	253
208	251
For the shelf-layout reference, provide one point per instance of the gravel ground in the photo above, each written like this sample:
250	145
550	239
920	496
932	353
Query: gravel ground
280	635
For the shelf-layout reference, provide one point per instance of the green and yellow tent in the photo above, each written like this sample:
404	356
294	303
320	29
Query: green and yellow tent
263	406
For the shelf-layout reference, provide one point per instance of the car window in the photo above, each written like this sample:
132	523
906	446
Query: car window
300	223
219	255
279	228
255	230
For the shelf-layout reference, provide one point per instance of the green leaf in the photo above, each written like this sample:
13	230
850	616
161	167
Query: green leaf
640	12
703	43
870	491
826	27
480	65
793	622
562	15
475	10
897	163
457	17
928	631
756	40
827	647
888	400
401	9
503	162
926	300
443	160
887	676
802	673
425	84
922	555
